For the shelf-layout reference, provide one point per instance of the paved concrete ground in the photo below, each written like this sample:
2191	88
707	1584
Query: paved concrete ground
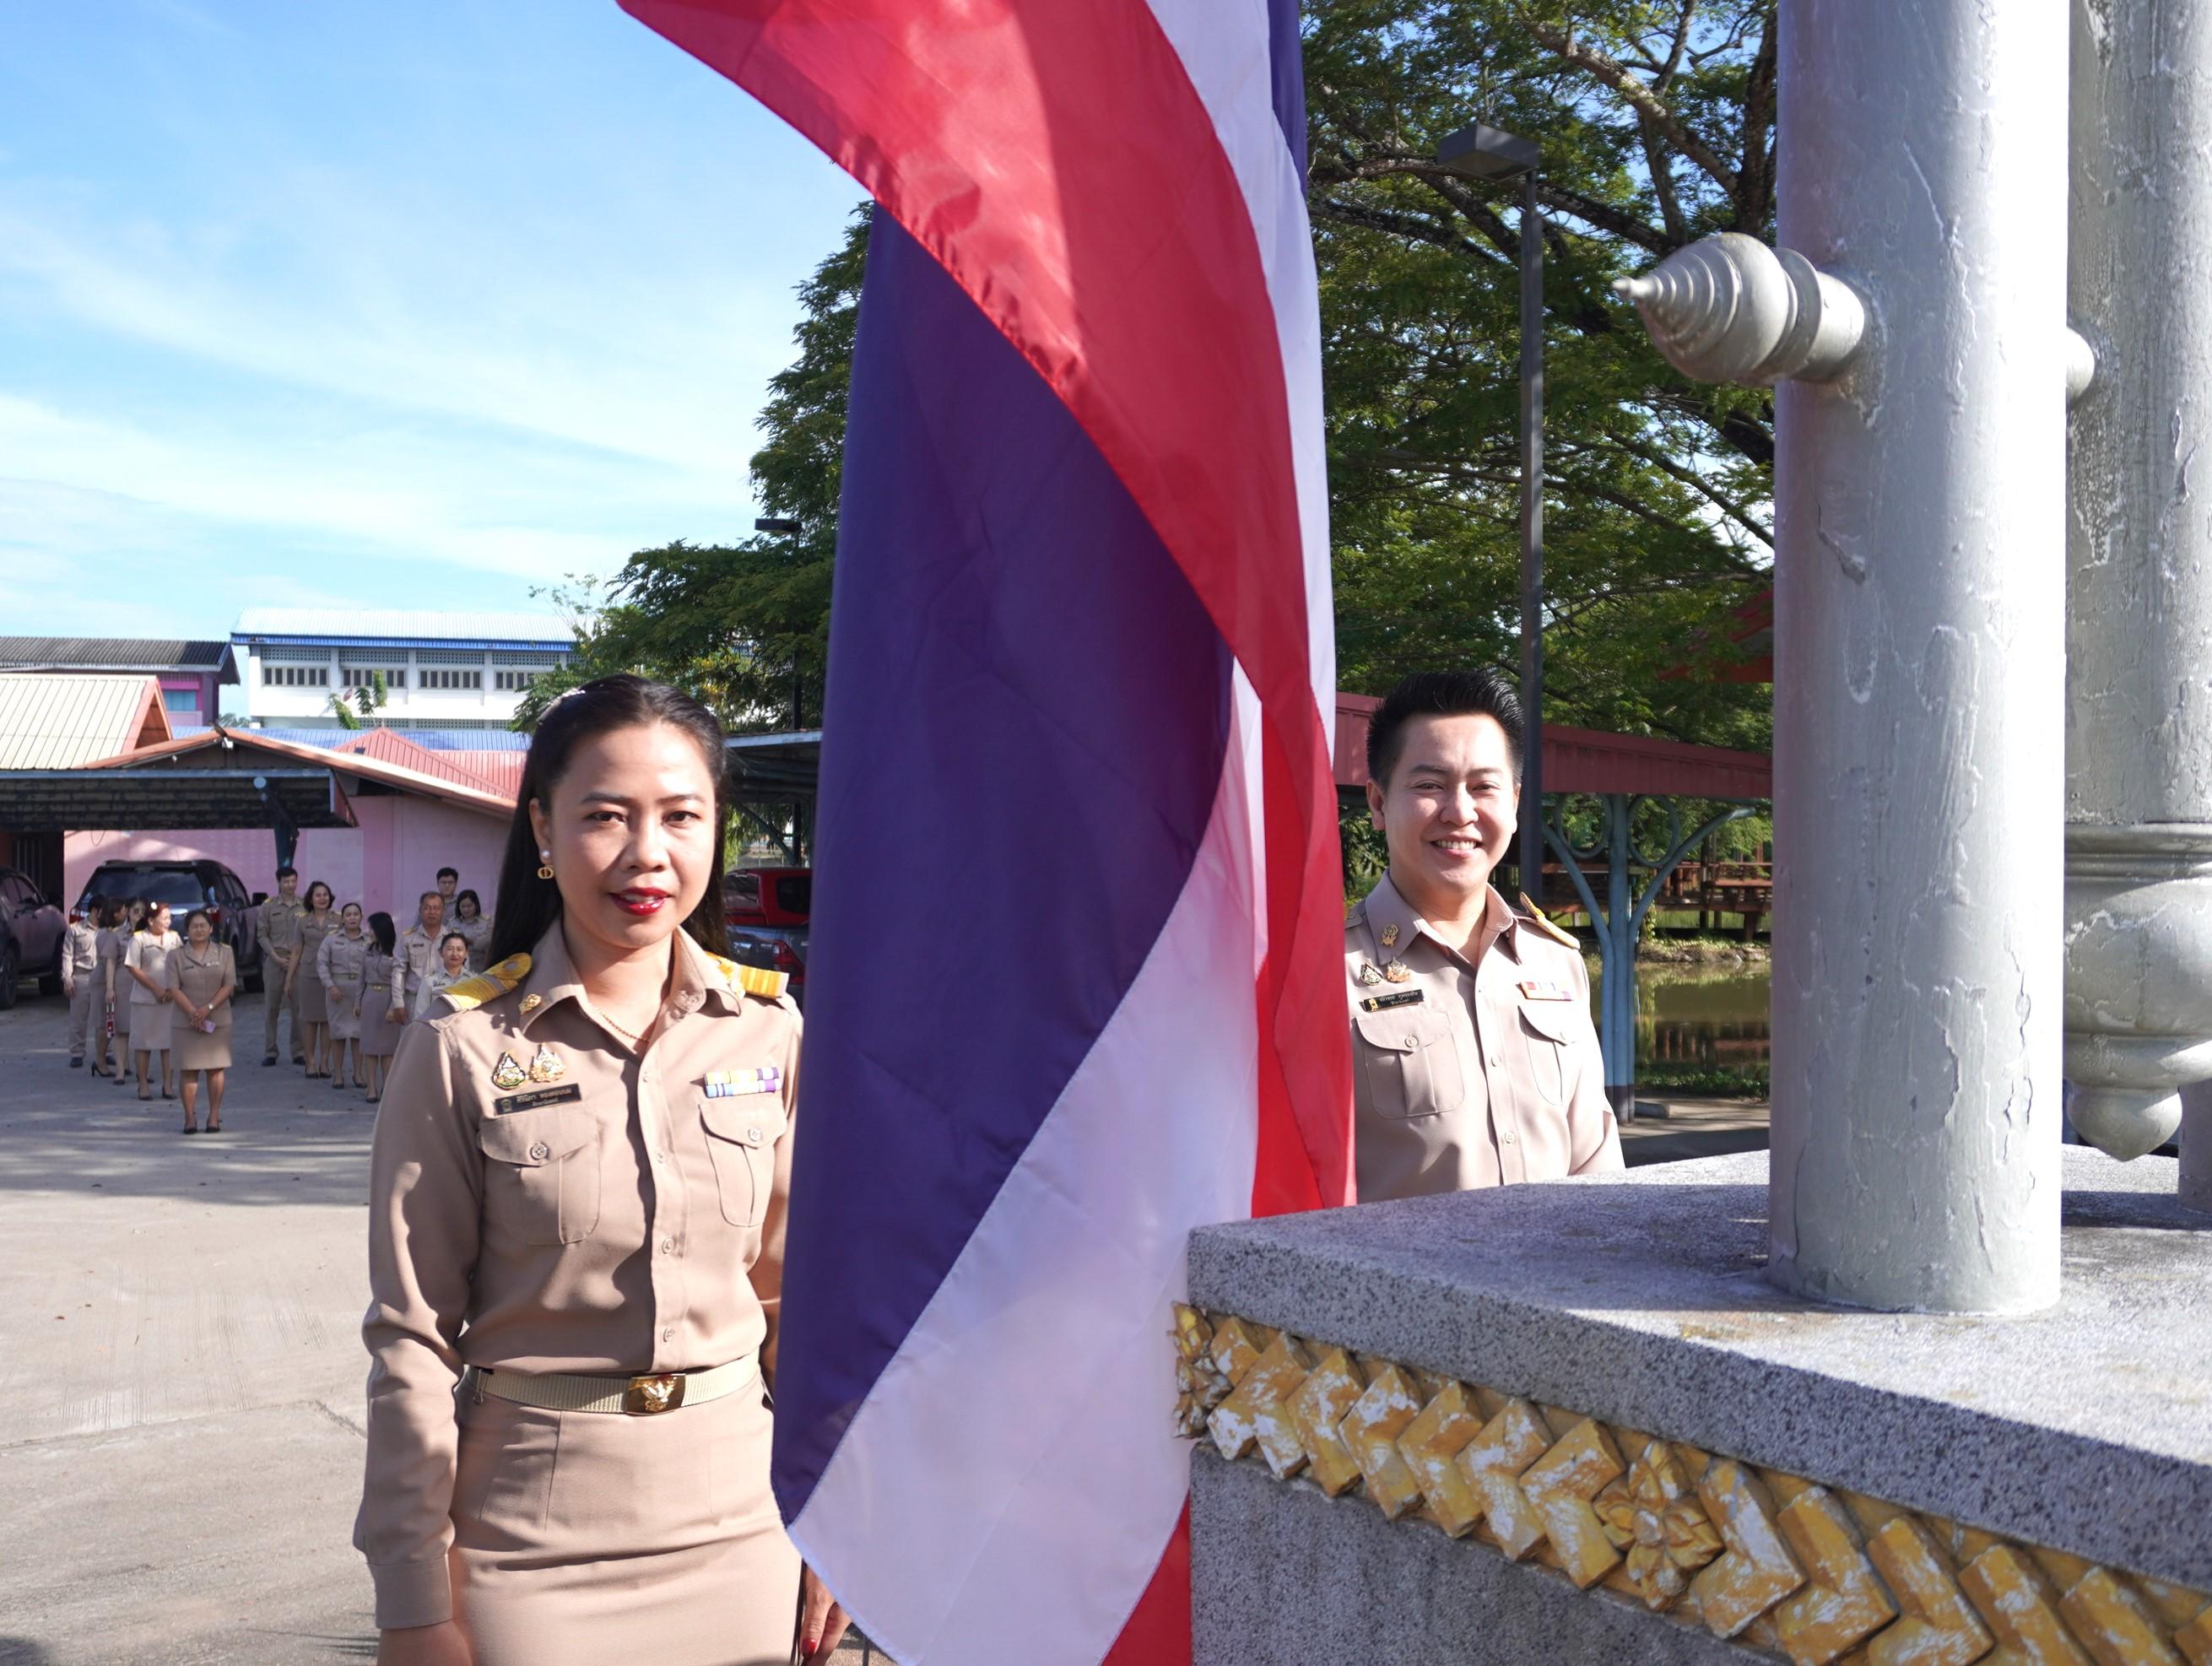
180	1370
1670	1130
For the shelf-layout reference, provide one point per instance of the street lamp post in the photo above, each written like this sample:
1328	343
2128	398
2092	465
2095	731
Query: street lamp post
1478	152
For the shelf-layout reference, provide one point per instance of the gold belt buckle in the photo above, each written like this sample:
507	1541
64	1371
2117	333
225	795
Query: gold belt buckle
646	1396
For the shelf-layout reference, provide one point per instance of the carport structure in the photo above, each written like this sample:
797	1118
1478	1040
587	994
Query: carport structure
1619	771
222	778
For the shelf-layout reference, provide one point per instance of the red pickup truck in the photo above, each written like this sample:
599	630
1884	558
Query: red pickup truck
766	910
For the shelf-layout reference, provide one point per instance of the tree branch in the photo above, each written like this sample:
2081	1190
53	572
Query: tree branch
1639	97
1697	484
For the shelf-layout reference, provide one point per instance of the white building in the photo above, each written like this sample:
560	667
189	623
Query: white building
441	670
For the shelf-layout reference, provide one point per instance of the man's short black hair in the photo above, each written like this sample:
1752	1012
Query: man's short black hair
449	874
288	871
1485	691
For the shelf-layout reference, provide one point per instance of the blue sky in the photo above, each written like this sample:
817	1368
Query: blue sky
409	305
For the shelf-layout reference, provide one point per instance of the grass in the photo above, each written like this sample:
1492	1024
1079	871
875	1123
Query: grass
1704	1082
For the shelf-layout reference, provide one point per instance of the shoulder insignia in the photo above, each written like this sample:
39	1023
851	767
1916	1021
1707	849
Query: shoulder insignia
1542	923
753	979
489	984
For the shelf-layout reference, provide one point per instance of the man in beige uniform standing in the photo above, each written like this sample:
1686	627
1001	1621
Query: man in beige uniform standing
1475	1062
418	946
280	950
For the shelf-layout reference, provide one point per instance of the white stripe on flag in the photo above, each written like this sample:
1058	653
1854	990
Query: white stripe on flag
1010	1480
1224	48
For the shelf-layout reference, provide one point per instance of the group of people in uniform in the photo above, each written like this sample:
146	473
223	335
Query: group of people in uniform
350	982
580	1172
138	988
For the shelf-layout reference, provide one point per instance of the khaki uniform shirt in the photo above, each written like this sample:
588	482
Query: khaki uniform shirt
80	953
605	1214
1468	1074
418	952
280	927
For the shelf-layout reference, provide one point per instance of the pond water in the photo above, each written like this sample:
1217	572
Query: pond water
1702	1018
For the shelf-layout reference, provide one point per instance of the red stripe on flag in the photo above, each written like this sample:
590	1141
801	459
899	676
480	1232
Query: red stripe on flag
1159	1629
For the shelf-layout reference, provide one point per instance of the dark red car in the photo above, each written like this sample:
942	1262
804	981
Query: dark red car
766	910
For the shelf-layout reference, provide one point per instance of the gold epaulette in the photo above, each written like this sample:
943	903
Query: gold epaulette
1537	918
753	979
489	984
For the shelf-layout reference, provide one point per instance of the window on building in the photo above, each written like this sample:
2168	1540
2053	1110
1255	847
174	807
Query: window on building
514	682
361	676
439	678
180	699
296	676
448	656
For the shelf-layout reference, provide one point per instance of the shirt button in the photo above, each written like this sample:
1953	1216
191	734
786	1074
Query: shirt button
669	1334
1408	1043
752	1136
539	1152
668	1246
1507	1138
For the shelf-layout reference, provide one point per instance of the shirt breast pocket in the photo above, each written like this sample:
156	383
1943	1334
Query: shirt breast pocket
541	1174
741	1135
1549	1034
1409	1059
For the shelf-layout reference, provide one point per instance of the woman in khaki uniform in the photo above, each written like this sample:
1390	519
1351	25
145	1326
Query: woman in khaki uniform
338	969
449	967
203	977
318	923
115	980
473	923
577	1199
381	1015
147	962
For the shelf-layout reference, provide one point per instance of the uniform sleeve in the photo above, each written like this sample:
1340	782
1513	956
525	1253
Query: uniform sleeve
323	959
1593	1135
767	1273
425	1205
172	983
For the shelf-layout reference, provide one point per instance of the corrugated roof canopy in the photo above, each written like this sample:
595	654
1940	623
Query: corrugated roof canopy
117	654
159	796
57	720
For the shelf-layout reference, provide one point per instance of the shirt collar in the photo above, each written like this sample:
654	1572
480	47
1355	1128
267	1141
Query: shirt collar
1386	908
552	977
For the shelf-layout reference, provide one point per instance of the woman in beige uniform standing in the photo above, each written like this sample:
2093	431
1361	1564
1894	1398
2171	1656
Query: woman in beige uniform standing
112	1038
147	962
381	1015
203	977
338	969
315	925
577	1199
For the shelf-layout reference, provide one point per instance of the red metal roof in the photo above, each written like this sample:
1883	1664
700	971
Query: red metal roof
395	748
1593	761
396	776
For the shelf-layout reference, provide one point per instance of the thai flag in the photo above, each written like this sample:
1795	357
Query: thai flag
1074	981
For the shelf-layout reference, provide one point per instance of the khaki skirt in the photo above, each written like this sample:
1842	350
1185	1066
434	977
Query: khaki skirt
197	1049
149	1024
585	1537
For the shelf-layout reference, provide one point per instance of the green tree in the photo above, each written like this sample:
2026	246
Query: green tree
357	707
1657	120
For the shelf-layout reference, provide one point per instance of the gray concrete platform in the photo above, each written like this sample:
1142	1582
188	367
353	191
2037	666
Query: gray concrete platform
1639	1300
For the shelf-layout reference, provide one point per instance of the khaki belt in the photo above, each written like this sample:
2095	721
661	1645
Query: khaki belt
635	1396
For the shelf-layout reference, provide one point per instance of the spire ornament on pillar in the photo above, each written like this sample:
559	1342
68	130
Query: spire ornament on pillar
1730	309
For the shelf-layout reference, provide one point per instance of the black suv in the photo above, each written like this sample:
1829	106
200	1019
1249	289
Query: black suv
30	937
186	886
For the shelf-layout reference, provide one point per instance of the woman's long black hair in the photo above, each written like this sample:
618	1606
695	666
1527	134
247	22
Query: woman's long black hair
527	904
386	933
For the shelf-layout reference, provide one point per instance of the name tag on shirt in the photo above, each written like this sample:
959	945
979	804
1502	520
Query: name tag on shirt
544	1096
1541	991
1384	1003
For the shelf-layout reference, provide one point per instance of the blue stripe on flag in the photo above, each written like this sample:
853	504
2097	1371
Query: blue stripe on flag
1025	735
1289	79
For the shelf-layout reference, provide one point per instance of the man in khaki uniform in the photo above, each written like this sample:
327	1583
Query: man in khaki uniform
418	946
1474	1061
87	999
280	946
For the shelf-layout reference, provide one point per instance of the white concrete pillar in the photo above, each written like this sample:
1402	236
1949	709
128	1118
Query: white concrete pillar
2139	548
1919	708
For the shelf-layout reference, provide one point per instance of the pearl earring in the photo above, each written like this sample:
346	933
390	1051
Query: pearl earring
545	864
